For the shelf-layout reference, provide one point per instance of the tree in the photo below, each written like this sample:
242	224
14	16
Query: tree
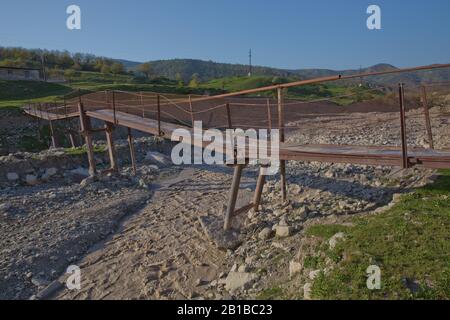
105	69
117	68
195	81
146	69
179	80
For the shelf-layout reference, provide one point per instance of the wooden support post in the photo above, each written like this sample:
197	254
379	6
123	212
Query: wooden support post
426	112
111	148
132	151
405	162
269	116
259	190
52	132
233	195
114	106
72	140
191	111
282	139
85	128
158	100
230	123
142	104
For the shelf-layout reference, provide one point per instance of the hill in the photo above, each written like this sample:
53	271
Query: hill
209	70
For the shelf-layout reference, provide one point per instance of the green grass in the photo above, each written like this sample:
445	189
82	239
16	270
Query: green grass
409	242
82	150
305	93
275	293
18	93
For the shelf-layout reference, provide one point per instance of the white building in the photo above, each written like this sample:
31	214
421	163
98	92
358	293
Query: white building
15	73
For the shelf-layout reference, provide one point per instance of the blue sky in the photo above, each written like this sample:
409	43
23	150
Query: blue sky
283	33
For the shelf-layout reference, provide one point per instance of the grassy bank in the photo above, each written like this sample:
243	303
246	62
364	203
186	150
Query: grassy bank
409	242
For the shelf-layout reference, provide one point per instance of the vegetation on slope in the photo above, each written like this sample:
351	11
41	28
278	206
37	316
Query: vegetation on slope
410	244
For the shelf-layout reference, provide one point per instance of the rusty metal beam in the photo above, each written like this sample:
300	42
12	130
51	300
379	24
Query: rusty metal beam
405	162
426	112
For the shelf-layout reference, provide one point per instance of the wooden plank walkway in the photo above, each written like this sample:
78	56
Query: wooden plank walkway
365	155
49	115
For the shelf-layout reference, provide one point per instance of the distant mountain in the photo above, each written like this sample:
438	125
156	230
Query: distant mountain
209	70
128	64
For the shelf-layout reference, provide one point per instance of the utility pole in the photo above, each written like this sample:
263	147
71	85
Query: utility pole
44	75
250	67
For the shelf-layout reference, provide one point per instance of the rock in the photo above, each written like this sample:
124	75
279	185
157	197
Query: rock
303	213
4	207
39	282
31	180
157	158
239	280
396	197
283	231
80	172
307	288
12	176
294	268
243	268
314	274
88	181
49	290
234	268
265	234
335	239
50	172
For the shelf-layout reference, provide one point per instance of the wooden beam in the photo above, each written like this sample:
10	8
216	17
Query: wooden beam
85	127
111	147
259	190
233	195
281	125
426	112
132	151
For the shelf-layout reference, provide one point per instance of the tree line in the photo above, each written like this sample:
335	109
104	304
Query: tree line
58	60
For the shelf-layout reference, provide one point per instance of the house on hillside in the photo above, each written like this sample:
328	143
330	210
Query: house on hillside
15	73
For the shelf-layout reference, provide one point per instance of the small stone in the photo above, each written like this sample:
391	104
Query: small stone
307	290
234	268
283	231
265	234
314	274
335	239
31	180
294	268
12	176
303	213
50	172
86	182
39	282
4	207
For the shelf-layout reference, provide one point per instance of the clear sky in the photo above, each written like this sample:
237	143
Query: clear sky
282	33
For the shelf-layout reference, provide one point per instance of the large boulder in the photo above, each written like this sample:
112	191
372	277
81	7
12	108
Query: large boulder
239	280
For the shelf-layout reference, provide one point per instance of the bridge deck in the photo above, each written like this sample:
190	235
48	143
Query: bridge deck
389	156
369	155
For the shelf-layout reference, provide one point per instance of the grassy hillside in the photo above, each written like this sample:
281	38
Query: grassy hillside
17	93
306	93
208	70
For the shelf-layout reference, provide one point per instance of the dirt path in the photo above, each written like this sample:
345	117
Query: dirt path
162	252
